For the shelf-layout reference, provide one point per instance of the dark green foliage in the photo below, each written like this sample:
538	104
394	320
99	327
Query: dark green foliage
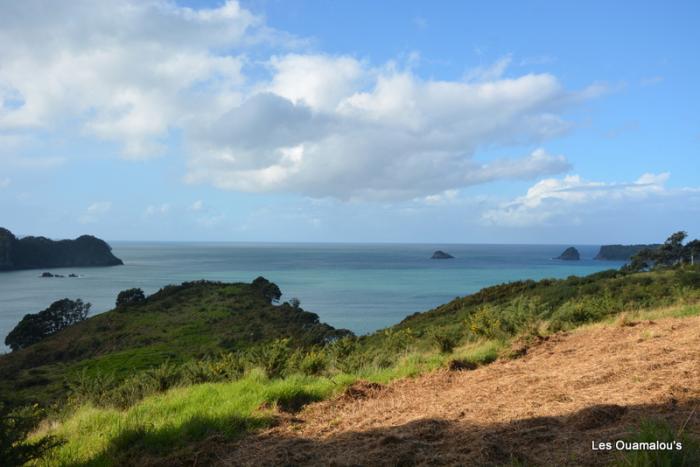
40	252
671	253
192	321
130	297
267	289
15	425
272	358
35	327
445	341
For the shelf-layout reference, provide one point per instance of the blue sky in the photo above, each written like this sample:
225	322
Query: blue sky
466	122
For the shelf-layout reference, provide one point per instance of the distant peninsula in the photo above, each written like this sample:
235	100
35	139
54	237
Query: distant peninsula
621	252
439	254
570	254
41	252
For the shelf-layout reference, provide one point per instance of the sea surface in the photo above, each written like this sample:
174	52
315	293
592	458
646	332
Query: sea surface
361	287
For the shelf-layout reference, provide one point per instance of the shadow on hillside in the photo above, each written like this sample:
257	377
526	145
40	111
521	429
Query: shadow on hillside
561	440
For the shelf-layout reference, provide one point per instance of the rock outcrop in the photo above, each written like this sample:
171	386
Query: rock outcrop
40	252
439	254
621	252
570	254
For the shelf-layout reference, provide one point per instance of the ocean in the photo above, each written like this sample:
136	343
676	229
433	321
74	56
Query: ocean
361	287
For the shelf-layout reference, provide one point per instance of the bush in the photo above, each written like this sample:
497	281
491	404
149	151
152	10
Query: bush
272	358
35	327
313	363
267	289
15	426
445	341
130	297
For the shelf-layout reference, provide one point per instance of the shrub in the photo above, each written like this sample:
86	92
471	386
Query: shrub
35	327
130	297
272	358
267	289
15	426
313	363
445	341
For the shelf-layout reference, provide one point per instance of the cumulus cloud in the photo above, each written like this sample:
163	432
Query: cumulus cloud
561	199
313	124
365	133
197	205
129	71
5	182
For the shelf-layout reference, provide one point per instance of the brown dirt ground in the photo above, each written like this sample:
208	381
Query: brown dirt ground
544	408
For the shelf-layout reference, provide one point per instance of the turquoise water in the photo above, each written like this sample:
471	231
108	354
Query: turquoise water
358	287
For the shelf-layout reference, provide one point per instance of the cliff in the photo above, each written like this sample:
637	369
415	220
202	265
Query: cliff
40	252
620	252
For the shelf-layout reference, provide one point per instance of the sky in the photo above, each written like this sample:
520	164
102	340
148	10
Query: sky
350	121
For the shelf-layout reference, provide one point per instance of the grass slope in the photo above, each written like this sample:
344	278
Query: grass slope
176	324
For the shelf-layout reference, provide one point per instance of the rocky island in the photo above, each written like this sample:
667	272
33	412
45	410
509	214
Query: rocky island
621	252
570	254
41	252
439	254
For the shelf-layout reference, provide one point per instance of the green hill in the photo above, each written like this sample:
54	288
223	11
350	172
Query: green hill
178	323
195	366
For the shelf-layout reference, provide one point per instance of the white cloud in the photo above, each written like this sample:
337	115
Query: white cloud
197	205
398	137
313	124
129	71
561	199
153	210
489	72
5	182
95	211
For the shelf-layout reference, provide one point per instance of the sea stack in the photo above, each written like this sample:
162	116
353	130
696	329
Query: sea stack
439	254
570	254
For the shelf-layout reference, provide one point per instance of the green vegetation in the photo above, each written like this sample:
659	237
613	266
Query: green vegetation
158	375
40	252
659	431
35	327
130	297
15	425
671	253
178	324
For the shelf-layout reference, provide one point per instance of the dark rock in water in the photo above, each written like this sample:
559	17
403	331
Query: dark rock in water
40	252
72	275
439	254
570	254
46	274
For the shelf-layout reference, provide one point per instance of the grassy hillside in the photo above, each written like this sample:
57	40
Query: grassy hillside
177	324
205	361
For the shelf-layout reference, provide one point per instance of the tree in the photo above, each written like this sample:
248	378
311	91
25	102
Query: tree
35	327
671	253
130	297
267	289
15	427
692	251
